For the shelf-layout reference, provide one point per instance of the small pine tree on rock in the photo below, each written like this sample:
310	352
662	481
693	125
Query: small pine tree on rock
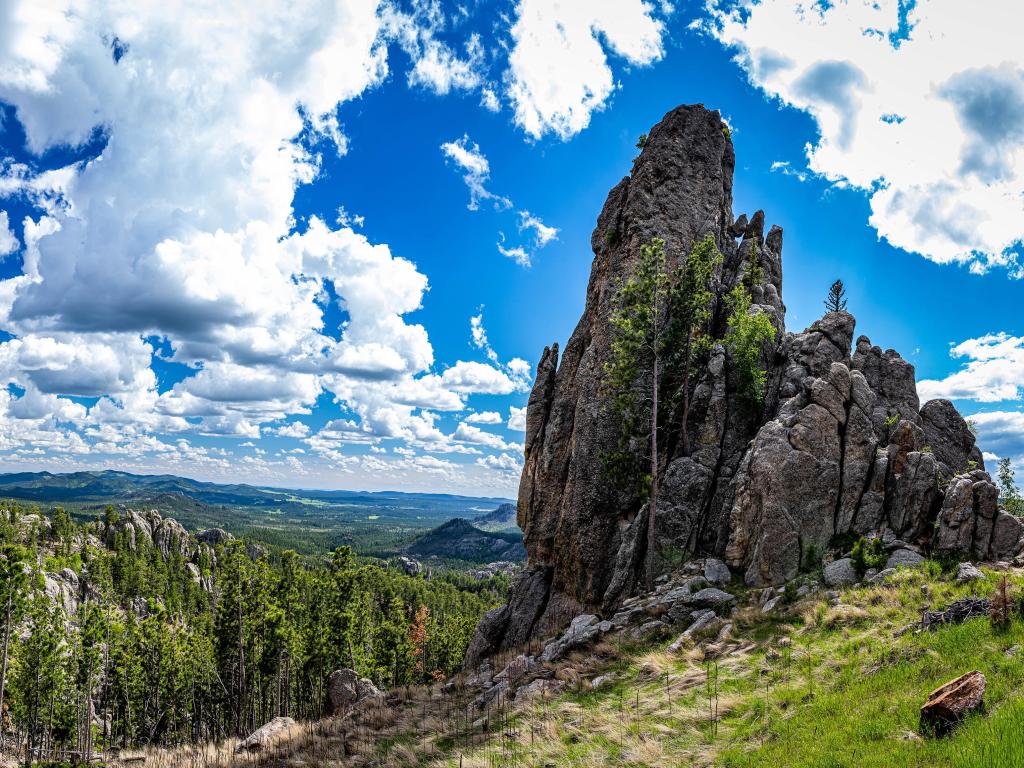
836	301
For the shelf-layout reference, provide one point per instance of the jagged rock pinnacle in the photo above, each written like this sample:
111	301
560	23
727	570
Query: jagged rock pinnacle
839	448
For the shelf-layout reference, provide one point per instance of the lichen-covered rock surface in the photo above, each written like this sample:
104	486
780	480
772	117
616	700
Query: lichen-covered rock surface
839	448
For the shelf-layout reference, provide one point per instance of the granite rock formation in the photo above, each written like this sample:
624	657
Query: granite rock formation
839	448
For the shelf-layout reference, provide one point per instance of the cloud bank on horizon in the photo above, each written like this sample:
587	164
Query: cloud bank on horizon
171	311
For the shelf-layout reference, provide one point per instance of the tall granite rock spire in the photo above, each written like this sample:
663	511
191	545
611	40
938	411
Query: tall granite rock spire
840	446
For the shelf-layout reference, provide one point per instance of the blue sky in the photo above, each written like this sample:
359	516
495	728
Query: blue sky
268	246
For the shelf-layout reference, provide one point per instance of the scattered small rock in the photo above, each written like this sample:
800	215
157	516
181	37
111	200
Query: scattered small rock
710	597
771	604
540	688
716	571
882	576
649	630
701	620
583	630
602	680
626	617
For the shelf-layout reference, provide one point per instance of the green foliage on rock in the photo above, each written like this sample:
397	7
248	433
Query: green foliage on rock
867	554
659	325
749	333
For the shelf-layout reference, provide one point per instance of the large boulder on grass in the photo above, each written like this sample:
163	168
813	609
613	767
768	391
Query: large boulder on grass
904	558
262	739
345	688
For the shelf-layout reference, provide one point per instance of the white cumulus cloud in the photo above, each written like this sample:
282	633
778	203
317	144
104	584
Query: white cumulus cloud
559	71
920	105
993	371
468	158
517	418
484	417
8	241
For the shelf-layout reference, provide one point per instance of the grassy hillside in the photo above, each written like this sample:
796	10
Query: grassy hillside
821	686
818	684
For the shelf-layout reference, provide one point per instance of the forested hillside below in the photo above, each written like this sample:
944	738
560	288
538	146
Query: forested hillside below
128	630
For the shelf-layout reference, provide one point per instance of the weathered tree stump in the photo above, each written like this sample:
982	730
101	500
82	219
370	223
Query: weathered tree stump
948	704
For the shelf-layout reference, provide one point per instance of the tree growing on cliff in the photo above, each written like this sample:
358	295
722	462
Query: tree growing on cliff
1009	493
659	320
746	338
836	301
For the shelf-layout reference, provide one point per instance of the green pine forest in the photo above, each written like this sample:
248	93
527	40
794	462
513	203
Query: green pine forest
164	650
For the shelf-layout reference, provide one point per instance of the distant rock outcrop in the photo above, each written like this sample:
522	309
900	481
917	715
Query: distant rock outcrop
840	446
458	539
151	529
501	519
214	536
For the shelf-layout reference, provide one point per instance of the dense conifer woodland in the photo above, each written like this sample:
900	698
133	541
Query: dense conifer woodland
127	630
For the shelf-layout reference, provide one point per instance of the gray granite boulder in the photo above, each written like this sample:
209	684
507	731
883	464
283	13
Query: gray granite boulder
345	688
716	571
840	573
904	558
968	572
265	737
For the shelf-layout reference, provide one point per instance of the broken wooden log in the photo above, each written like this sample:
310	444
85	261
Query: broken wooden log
948	704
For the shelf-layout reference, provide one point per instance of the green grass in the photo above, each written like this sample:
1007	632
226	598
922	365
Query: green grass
864	720
824	687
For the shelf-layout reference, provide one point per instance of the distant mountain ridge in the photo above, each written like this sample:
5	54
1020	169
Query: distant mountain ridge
108	483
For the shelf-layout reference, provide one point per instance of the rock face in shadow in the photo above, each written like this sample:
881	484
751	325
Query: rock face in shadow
839	447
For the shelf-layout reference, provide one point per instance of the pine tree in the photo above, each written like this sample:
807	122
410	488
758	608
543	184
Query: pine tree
748	334
690	314
200	665
39	672
658	320
836	301
63	530
13	581
1009	493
